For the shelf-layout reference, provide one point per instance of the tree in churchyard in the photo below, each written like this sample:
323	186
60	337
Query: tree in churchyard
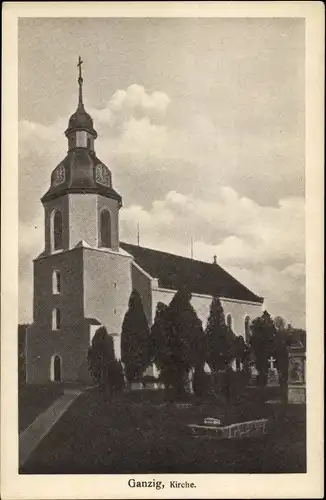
263	344
159	346
186	337
280	323
240	378
101	358
241	352
200	381
157	340
177	341
116	376
283	340
219	338
135	339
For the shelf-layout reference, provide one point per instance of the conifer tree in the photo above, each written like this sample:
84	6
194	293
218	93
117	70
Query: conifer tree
135	338
116	377
263	344
100	357
241	352
180	341
158	346
283	341
220	340
199	382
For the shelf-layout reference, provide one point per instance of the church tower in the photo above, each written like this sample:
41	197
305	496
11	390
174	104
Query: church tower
82	279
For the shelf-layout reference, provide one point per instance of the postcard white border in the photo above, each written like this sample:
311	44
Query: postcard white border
14	486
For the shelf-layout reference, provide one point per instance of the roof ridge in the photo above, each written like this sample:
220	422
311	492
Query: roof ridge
215	266
169	253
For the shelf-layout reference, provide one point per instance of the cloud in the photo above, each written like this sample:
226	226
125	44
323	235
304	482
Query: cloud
261	246
240	230
133	103
239	199
284	293
136	99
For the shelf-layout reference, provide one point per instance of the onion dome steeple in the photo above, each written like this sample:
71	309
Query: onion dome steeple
80	121
81	171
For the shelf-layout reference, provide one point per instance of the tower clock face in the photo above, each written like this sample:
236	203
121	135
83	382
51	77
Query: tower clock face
59	175
102	175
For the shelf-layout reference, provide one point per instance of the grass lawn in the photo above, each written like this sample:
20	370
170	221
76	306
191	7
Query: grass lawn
137	433
33	399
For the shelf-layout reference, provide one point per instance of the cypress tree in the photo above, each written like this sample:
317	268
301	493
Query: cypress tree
100	356
135	338
158	350
219	338
263	344
181	341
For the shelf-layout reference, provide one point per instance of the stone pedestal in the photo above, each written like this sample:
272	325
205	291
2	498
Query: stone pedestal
297	394
297	376
272	377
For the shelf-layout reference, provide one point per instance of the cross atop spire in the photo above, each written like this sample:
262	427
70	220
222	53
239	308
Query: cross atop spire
80	62
80	82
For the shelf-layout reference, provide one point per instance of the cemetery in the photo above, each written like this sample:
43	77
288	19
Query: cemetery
96	436
247	415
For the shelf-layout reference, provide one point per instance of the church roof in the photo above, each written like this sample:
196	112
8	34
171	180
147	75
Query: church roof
81	172
81	120
174	272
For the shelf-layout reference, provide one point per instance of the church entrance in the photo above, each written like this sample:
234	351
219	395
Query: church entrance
56	368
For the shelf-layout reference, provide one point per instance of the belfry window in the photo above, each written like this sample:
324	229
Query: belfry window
229	321
56	282
57	231
105	229
56	319
81	139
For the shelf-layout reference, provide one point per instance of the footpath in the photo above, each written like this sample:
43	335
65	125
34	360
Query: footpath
30	438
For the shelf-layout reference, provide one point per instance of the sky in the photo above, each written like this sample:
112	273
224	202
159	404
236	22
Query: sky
201	122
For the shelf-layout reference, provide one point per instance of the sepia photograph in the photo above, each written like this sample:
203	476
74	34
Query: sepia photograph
162	194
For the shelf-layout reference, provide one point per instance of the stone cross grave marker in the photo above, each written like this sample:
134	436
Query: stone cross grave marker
272	372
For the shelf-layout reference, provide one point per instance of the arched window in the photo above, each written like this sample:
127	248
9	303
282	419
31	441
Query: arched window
105	229
56	368
229	320
56	282
57	231
56	319
247	329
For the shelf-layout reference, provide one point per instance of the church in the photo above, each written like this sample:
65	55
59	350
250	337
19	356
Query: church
84	276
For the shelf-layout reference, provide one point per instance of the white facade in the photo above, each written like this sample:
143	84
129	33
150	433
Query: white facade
238	309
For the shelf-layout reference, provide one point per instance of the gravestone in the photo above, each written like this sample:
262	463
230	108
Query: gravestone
136	386
253	374
251	428
272	375
297	375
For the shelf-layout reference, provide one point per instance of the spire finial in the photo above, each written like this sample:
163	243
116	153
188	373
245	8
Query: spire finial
214	259
80	82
